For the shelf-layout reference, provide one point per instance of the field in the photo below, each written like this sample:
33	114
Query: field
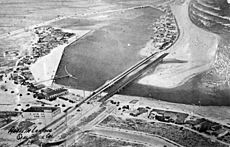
175	133
17	16
5	121
94	141
91	117
21	13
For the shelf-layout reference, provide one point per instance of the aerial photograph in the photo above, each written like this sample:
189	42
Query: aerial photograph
114	73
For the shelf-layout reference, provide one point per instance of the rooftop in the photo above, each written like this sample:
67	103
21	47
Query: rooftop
40	109
56	91
133	101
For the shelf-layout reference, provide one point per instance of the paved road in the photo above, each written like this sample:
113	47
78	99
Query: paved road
103	87
72	139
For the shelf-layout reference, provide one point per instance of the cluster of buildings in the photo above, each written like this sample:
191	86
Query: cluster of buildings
202	125
21	75
195	123
165	30
42	92
132	108
48	38
168	116
11	54
26	61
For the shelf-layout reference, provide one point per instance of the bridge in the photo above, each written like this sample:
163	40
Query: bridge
113	86
136	69
120	85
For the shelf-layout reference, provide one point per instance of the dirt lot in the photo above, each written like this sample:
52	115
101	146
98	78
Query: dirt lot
95	141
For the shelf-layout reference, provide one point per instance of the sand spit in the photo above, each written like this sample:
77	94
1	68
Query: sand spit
44	69
195	45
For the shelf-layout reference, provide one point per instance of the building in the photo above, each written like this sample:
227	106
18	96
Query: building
134	104
39	86
50	95
35	88
42	113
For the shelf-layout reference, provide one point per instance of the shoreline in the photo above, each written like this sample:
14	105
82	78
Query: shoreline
51	61
198	51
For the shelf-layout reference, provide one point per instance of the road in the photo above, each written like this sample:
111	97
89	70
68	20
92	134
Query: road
72	139
156	57
67	121
153	58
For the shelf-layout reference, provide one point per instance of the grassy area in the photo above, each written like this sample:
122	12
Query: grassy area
23	125
175	133
17	14
70	131
5	121
94	141
11	125
91	117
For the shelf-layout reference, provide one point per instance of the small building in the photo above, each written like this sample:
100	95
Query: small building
27	75
36	112
1	77
46	90
39	95
152	115
35	88
55	93
32	89
40	86
134	104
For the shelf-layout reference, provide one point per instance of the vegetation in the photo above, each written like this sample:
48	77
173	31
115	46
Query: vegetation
94	141
70	131
175	133
91	117
23	125
5	121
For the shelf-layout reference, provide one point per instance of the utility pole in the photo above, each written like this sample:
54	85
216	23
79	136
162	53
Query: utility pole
66	118
84	93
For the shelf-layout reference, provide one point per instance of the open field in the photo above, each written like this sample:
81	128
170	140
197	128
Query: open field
96	141
20	14
137	137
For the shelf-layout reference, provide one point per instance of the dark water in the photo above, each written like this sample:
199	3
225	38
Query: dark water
105	53
109	50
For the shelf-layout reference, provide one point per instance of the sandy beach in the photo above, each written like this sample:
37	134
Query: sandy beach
44	69
195	46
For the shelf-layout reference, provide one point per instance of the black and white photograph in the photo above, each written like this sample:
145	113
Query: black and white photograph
114	73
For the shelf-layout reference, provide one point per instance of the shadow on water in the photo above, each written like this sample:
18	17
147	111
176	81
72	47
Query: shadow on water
113	48
109	50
